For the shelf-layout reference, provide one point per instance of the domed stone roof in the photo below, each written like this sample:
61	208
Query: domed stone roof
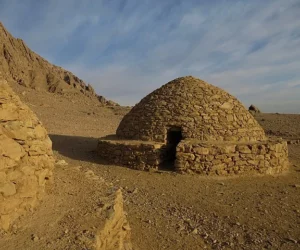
196	108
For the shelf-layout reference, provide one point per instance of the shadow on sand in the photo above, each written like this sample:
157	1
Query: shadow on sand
84	149
77	147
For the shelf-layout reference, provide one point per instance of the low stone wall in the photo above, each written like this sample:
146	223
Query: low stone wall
263	157
134	154
199	157
294	141
26	160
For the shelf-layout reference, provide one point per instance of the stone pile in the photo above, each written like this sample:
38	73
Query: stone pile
26	160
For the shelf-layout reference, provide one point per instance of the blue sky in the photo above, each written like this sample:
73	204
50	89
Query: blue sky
127	48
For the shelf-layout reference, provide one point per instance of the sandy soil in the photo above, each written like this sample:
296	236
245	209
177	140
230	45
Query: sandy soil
165	210
285	126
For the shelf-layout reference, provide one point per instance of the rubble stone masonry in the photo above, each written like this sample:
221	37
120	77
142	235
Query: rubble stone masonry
201	110
264	157
134	154
26	160
216	134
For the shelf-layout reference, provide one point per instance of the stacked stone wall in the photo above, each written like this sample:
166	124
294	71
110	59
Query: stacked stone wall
201	110
26	160
204	158
265	157
136	155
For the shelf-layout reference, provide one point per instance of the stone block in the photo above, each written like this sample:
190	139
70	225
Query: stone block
185	156
226	105
201	150
28	187
244	149
10	148
2	177
221	157
9	204
41	176
5	220
228	149
7	189
240	163
14	175
6	163
253	162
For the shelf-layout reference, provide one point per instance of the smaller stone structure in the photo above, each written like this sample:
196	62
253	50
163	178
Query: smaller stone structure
26	160
254	110
194	127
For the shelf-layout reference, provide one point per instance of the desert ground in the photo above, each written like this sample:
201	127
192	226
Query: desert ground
165	210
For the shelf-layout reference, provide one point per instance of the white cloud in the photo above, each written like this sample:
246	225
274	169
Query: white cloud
250	48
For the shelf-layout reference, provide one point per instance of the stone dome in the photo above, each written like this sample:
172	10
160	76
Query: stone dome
196	108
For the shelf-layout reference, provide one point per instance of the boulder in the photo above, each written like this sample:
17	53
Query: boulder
254	109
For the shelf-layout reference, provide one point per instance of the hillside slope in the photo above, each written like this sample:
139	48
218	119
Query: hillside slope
20	64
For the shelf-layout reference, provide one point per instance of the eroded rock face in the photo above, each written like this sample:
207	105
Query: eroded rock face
26	160
116	232
201	110
20	64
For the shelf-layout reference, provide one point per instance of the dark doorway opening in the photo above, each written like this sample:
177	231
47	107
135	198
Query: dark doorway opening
174	136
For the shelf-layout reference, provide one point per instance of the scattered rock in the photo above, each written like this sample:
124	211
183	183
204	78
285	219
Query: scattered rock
126	227
78	168
134	191
291	240
34	237
61	163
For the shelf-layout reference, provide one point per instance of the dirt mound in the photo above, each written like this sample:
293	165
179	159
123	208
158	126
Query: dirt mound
22	65
26	160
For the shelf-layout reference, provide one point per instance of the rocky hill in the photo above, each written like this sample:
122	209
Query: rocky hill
20	64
